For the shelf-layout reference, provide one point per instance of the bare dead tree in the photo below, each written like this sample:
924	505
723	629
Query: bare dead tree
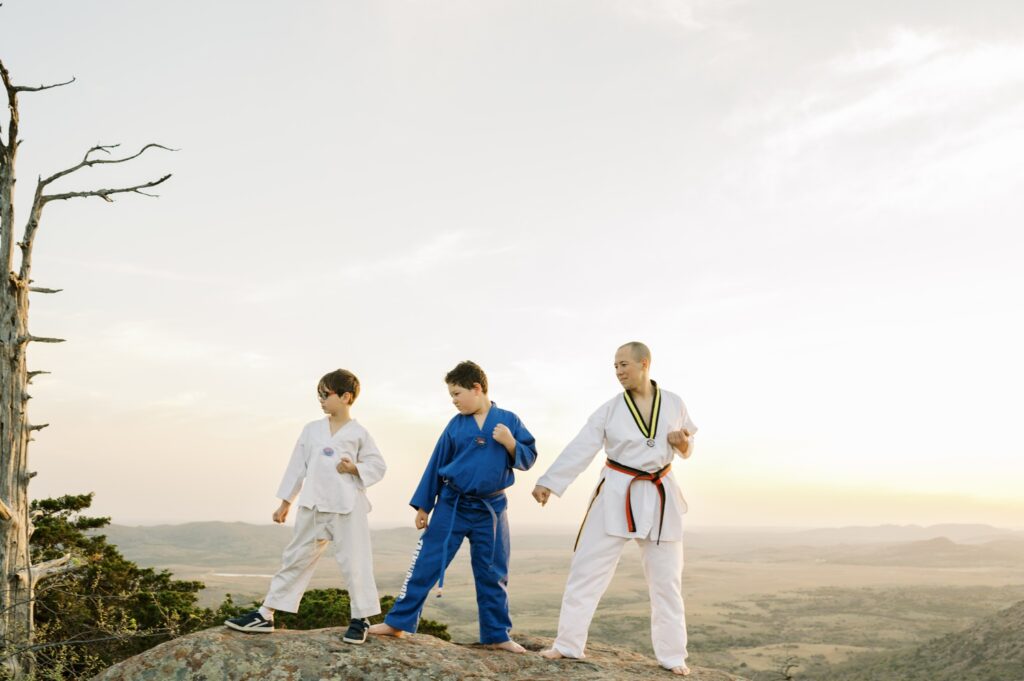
18	577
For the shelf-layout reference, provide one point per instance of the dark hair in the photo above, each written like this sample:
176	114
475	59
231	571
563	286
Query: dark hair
465	374
341	381
638	350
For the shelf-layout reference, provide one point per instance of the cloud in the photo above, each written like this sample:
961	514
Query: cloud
679	12
905	48
133	270
912	77
446	249
151	341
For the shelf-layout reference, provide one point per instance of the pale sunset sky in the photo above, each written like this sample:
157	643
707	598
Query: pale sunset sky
806	209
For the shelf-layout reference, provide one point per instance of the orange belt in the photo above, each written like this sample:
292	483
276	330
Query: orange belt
639	475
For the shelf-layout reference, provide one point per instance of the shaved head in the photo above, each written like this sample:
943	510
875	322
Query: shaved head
639	351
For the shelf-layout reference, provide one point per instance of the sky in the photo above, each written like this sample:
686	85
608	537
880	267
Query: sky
809	211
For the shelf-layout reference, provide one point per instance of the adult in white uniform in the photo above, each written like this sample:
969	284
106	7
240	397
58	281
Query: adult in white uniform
642	431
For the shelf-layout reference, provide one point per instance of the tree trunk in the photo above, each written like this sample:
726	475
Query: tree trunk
15	525
18	576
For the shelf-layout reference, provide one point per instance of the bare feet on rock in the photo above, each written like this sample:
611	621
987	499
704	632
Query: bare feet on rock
385	630
510	646
551	654
681	670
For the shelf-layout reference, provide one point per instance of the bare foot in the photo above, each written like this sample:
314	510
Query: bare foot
510	646
681	670
385	630
551	654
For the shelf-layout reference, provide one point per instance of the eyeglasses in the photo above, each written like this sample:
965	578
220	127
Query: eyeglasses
322	395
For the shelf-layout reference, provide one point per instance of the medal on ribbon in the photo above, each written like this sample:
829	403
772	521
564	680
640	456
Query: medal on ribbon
648	428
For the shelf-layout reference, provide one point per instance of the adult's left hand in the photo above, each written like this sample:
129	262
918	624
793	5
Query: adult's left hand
680	439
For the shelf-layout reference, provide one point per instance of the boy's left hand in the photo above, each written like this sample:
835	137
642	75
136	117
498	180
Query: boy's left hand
346	466
503	436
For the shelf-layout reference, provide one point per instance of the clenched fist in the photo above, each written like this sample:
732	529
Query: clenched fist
282	512
503	436
680	439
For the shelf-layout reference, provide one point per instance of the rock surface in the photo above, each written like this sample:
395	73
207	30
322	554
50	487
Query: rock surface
319	655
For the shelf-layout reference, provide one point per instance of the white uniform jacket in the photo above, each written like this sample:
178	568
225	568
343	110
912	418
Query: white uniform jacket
313	467
613	429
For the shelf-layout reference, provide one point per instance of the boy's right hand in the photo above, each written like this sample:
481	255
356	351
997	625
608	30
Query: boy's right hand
541	494
421	519
282	512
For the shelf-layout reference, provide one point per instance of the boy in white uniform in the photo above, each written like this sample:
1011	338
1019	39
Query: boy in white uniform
636	498
333	463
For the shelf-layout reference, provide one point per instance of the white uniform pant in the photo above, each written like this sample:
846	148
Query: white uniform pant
314	530
590	572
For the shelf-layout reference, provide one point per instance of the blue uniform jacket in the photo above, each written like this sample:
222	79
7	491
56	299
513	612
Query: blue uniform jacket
472	461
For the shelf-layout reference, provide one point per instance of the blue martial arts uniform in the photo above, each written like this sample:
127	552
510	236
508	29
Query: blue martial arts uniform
464	486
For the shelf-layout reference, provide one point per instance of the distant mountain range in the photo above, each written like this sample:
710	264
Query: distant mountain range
730	539
238	546
225	546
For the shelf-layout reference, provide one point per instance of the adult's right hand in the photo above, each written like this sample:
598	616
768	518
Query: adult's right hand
421	519
281	513
541	494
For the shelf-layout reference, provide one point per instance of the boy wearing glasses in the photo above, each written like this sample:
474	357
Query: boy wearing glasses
464	485
333	463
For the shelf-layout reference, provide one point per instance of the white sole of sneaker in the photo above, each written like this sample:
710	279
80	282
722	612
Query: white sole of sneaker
231	625
355	641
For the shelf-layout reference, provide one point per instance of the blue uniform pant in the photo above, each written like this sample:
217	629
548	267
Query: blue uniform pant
489	549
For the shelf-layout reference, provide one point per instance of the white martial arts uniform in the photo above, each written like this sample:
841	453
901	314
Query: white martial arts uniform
332	508
605	532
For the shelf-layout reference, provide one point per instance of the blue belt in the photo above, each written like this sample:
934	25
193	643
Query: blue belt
459	494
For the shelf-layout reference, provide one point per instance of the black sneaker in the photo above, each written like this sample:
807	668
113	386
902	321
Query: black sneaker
251	623
356	631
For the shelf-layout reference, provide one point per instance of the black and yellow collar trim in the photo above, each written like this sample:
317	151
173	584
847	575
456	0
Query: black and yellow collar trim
649	427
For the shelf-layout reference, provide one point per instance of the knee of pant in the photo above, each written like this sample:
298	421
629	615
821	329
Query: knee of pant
352	567
487	575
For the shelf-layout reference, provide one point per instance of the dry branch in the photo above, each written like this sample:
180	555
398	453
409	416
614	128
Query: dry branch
89	162
39	339
105	193
26	88
49	568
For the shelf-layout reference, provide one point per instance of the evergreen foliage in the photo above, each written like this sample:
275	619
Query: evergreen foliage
109	608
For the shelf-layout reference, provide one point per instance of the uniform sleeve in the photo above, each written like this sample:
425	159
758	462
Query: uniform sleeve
526	447
369	462
430	484
577	455
689	425
291	483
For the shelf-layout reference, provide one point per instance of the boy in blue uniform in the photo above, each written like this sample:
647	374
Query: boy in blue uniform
464	486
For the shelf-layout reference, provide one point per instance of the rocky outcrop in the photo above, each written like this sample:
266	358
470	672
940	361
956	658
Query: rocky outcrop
319	655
